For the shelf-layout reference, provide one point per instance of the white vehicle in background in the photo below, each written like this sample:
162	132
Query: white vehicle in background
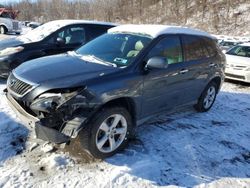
227	44
8	24
238	63
33	25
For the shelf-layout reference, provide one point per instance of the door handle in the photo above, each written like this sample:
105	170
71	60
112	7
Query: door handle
212	65
184	71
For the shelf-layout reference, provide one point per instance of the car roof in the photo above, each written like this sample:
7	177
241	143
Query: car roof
157	30
245	44
231	41
70	22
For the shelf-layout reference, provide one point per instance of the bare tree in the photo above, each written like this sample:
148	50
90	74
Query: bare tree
206	14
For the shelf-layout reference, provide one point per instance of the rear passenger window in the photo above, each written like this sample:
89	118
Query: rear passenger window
194	48
170	48
96	30
210	46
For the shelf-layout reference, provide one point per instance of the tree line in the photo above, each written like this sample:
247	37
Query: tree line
217	16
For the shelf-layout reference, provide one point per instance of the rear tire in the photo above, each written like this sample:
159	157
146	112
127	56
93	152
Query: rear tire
207	98
3	29
107	133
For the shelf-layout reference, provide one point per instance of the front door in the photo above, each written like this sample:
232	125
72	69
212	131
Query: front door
165	89
74	36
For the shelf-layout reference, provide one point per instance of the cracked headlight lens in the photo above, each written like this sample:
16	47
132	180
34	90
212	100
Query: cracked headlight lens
48	102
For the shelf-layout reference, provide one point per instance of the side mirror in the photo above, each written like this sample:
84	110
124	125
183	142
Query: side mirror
60	41
157	63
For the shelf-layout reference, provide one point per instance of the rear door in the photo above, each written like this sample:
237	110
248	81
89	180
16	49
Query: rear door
199	65
165	89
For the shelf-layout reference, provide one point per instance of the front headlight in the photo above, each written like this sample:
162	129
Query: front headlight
51	101
12	50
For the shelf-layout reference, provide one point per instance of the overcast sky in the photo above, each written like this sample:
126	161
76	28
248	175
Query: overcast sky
9	1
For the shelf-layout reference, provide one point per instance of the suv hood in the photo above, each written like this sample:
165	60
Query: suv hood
11	42
61	71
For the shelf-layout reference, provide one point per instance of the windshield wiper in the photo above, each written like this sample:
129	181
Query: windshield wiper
95	59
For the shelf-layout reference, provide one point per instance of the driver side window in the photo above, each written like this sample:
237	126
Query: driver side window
71	35
170	48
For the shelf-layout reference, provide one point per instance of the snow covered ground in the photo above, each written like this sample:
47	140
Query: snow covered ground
187	149
24	31
4	36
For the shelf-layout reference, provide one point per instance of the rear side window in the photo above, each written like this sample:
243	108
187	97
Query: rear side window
170	48
194	48
210	46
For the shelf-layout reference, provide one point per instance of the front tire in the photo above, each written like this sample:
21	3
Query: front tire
107	133
207	98
3	29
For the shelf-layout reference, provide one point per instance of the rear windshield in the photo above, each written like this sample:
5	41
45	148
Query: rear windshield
243	51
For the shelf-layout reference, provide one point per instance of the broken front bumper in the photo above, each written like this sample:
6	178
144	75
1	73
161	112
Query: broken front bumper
42	132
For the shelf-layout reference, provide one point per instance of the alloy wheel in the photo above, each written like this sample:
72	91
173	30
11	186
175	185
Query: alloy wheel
111	133
210	96
2	30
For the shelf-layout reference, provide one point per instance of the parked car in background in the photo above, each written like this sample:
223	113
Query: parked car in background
8	22
51	38
104	89
227	44
238	63
33	25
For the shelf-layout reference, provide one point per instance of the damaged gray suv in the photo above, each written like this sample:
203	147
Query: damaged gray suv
101	91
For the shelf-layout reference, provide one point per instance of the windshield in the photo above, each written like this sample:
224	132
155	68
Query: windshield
6	15
243	51
119	49
40	32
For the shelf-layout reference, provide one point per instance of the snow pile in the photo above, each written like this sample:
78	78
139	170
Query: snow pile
12	134
47	147
25	30
22	175
57	161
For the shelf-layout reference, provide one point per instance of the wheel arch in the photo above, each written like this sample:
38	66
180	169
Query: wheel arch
6	28
127	102
218	81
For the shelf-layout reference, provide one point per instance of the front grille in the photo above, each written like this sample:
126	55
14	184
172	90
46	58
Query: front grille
235	76
17	86
240	67
236	67
15	25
